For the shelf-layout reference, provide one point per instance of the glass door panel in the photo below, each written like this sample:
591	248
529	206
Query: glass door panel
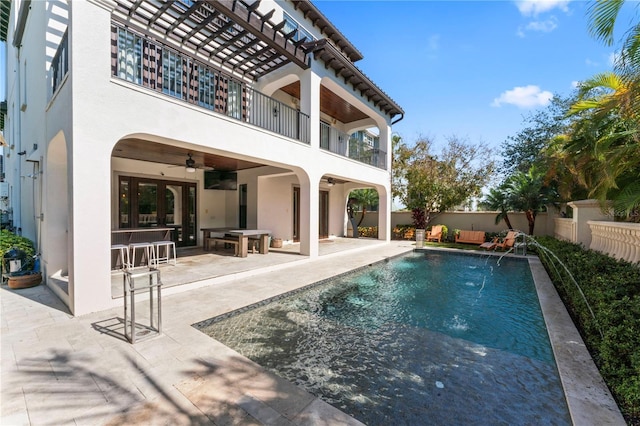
296	214
147	204
124	204
242	206
173	211
190	219
323	222
152	203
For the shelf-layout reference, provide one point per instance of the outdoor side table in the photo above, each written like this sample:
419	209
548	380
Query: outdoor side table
136	283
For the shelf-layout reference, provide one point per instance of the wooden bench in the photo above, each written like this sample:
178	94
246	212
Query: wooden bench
224	240
470	237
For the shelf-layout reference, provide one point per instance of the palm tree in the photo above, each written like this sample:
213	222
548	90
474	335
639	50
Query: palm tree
364	198
603	147
528	192
498	200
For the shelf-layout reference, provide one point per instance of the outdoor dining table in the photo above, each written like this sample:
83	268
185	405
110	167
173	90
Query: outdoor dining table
243	238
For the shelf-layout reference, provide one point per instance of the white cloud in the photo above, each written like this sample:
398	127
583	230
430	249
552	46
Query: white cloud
591	63
536	7
545	26
524	97
575	84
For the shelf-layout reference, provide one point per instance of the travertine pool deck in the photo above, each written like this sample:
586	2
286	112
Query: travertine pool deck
58	369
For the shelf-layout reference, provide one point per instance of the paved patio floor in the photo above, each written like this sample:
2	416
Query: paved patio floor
57	369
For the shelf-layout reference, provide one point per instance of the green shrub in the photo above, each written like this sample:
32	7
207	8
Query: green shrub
612	291
368	231
9	240
403	232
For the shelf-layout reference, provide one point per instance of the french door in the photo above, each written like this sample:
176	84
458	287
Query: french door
323	216
154	203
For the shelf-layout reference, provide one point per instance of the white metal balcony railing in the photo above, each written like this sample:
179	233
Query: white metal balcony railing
153	65
619	240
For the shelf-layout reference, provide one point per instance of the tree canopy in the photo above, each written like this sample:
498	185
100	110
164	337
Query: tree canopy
601	148
428	183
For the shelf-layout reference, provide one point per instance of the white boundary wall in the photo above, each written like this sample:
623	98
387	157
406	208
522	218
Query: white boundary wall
590	226
473	221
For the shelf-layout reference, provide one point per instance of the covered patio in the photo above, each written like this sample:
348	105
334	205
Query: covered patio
196	267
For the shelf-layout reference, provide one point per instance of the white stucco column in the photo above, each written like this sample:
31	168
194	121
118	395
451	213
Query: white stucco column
384	213
584	211
384	193
309	214
91	145
310	103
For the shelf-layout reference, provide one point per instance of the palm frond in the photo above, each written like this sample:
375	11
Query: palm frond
602	17
628	201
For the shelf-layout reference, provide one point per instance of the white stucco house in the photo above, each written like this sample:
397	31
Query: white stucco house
129	113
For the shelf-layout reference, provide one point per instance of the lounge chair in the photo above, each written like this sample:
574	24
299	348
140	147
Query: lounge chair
435	234
506	244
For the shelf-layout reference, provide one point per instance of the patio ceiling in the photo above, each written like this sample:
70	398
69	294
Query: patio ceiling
144	150
330	104
345	69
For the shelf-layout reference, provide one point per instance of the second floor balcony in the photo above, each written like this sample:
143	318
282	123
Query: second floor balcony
155	66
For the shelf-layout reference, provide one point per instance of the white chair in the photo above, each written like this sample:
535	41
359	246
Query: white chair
148	253
169	247
122	256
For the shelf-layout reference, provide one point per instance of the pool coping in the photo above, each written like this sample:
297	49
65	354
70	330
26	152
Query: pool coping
589	400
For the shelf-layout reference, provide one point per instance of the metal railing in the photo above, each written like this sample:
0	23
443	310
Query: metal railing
332	139
60	63
197	83
271	114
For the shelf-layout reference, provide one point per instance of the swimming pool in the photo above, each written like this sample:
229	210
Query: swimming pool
435	338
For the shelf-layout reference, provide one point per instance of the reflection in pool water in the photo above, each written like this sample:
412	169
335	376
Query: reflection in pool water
434	338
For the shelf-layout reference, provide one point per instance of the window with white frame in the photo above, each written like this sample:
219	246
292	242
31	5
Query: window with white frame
129	56
171	73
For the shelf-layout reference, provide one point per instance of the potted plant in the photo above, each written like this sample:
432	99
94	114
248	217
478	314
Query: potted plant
18	261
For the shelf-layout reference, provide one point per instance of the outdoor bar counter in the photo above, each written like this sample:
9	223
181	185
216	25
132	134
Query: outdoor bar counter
140	235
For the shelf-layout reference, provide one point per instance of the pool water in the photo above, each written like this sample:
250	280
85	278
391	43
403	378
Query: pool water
427	338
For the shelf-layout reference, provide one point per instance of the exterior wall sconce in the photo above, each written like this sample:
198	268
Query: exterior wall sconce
331	182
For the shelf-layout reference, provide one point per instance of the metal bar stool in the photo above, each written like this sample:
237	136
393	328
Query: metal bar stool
167	246
148	253
122	256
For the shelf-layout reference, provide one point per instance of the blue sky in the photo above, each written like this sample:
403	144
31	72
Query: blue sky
472	69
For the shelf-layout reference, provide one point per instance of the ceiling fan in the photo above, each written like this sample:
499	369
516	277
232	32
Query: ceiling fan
191	166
